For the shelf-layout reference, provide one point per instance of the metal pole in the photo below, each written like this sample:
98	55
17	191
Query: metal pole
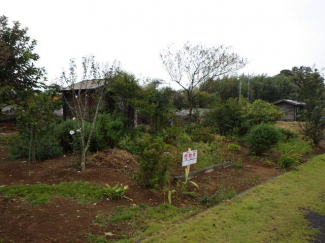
248	88
239	89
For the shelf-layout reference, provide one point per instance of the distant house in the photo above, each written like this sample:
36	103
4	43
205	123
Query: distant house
290	108
200	112
87	90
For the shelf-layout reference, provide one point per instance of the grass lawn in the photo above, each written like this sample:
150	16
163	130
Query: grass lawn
273	212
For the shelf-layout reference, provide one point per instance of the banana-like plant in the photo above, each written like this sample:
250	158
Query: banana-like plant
116	192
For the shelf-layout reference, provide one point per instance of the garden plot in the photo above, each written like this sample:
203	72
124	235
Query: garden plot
77	220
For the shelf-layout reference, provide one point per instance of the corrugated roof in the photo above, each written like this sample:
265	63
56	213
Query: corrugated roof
86	84
292	102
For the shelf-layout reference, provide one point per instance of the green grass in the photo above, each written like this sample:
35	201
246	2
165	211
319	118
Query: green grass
141	220
41	193
294	146
272	212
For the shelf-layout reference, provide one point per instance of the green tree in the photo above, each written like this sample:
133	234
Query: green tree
36	117
311	85
18	73
157	105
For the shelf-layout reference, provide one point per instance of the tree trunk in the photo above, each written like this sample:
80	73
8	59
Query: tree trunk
191	111
83	160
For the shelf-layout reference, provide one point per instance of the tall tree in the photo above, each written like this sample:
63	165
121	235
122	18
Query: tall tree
311	84
86	97
195	64
18	73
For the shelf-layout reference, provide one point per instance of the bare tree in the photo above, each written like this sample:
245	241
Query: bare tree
193	65
85	97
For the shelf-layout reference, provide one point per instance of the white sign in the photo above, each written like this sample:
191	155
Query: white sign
189	157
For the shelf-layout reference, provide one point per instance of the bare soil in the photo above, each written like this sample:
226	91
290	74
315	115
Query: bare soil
66	220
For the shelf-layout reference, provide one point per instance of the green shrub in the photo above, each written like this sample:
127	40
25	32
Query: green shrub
129	145
111	127
211	153
202	134
296	146
18	147
288	161
62	132
47	147
154	160
263	112
227	119
287	134
234	147
176	135
262	137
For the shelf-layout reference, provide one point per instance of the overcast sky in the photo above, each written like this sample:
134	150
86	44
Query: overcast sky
272	34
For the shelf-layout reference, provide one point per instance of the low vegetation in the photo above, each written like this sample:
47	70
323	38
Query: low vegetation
271	212
84	192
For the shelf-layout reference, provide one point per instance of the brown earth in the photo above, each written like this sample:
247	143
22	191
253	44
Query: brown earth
65	220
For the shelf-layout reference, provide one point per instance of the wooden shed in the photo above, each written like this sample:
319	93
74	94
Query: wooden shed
290	108
87	90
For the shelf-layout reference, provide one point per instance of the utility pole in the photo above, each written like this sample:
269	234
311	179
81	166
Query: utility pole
239	88
248	87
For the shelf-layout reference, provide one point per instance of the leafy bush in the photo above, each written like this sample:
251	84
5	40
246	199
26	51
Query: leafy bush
202	134
227	119
176	135
211	154
287	134
234	147
129	145
111	127
154	160
62	132
263	112
18	147
296	146
288	160
46	148
262	137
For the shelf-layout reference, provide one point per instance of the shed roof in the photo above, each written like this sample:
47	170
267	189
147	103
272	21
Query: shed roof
86	84
292	102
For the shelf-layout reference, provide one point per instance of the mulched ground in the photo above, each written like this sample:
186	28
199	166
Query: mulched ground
65	220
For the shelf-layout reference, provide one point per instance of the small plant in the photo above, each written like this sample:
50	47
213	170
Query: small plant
187	173
116	192
219	196
238	163
206	178
289	160
234	147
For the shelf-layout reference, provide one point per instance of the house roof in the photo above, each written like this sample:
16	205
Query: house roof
86	84
292	102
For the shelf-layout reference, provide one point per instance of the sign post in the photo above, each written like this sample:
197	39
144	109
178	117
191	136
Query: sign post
189	158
